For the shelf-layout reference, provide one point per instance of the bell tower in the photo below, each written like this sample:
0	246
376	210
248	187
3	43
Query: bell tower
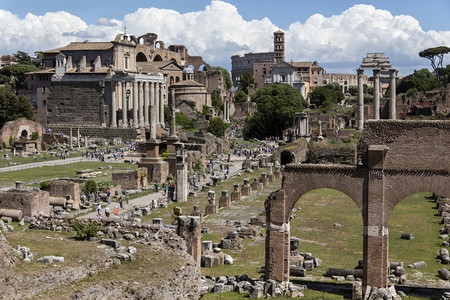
278	45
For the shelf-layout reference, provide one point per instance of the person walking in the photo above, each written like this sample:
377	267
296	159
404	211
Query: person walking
116	211
107	211
99	210
121	202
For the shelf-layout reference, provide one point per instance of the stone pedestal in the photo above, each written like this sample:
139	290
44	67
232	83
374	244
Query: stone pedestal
197	213
172	159
236	194
189	228
224	200
277	172
181	174
270	176
246	188
263	179
157	168
255	184
211	207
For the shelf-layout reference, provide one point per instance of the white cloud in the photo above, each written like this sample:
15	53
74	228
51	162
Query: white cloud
219	31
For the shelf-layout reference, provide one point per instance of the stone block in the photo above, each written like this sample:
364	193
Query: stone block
110	242
207	261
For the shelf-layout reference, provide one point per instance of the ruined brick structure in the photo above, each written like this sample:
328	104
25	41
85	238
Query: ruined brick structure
64	188
28	200
397	159
136	179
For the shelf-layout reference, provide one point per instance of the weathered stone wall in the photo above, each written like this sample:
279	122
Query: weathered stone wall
422	146
63	188
96	131
328	155
131	180
212	144
76	103
28	200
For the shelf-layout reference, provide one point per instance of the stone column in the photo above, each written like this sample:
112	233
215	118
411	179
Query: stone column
392	96
124	104
113	104
181	175
375	235
78	138
376	94
141	103
157	104
71	138
152	112
146	103
360	73
135	105
320	128
172	131
224	109
161	104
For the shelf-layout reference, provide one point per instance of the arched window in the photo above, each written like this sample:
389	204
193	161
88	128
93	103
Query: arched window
158	58
141	57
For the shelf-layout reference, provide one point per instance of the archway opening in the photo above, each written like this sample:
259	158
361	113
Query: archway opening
287	157
328	225
415	237
141	57
24	134
158	58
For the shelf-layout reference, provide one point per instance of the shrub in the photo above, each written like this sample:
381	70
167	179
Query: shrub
45	186
184	121
85	231
165	154
91	185
34	136
198	165
217	127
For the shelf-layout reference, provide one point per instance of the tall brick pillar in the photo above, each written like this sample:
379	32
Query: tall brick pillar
189	228
375	272
277	238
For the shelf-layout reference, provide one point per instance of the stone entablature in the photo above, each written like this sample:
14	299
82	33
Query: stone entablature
397	159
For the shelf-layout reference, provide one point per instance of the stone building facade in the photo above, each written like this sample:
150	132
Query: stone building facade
109	84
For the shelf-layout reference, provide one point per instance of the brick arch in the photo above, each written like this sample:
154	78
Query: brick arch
300	179
398	158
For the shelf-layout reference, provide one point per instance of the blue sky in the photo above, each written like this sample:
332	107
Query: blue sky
336	33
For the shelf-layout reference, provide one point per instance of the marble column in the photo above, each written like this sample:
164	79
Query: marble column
224	109
135	105
156	96
152	112
124	104
172	132
78	138
392	96
376	94
360	73
161	104
146	104
141	106
113	104
142	102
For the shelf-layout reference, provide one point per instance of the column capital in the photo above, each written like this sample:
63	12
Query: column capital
360	71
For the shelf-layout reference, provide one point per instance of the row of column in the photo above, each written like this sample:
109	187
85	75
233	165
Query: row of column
143	95
376	95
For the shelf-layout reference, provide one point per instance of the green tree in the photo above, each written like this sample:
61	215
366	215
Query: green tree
184	121
324	96
85	231
226	76
277	104
240	96
435	53
91	185
217	127
23	58
216	102
245	81
353	90
422	80
13	107
17	75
